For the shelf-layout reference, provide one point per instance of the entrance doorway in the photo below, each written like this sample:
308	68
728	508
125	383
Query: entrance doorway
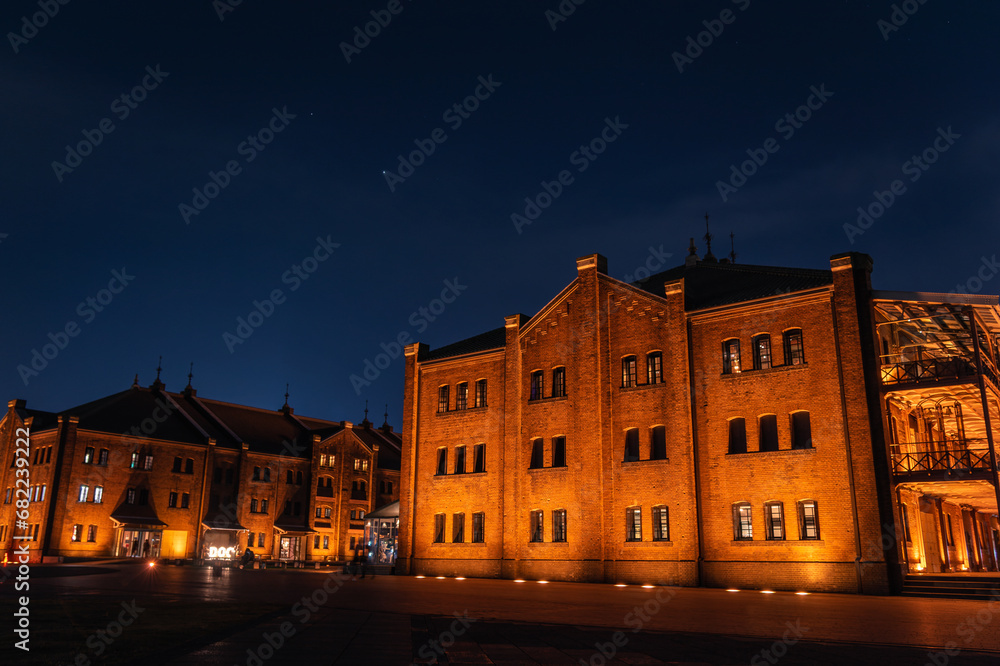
138	543
289	549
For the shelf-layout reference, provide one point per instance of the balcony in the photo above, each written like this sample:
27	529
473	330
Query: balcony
898	370
948	464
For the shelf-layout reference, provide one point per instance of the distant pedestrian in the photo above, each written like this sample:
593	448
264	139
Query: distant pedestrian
145	549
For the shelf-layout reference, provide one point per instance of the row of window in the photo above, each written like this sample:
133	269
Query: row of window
654	369
461	396
767	431
326	542
258	506
323	512
260	540
458	528
134	463
184	497
327	459
138	496
761	346
478	462
774	521
84	494
186	463
657	444
91	533
35	494
357	514
42	455
385	487
538	452
536	389
102	456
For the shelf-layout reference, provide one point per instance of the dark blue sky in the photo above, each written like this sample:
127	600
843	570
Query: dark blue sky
322	175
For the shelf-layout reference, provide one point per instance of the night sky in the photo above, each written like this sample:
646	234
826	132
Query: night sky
374	241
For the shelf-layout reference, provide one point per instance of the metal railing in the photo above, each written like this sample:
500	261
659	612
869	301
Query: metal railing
899	370
949	460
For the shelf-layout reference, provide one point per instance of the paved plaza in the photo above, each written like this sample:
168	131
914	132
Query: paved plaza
323	617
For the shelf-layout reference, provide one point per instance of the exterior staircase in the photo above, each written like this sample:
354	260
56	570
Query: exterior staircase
952	586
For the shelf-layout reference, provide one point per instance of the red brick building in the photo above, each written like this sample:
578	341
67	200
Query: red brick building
193	478
716	424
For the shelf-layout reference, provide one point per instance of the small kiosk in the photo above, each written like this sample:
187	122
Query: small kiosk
381	530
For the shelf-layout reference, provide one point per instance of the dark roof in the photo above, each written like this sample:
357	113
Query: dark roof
389	445
136	514
494	339
41	421
710	284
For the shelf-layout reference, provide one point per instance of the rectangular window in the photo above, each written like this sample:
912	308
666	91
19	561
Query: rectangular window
88	455
189	466
801	431
633	523
537	453
98	494
558	451
658	443
654	368
459	460
326	512
91	533
316	542
730	357
808	520
326	542
478	528
537	525
558	382
481	393
628	371
134	461
762	352
737	436
775	521
769	432
442	466
537	386
172	500
102	457
443	399
297	509
147	463
742	522
462	396
256	474
661	524
84	490
253	505
439	528
559	525
177	464
794	352
260	540
319	512
458	528
185	500
480	462
322	460
77	531
631	444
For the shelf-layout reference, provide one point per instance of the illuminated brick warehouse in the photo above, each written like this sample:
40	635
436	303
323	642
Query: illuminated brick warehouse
174	475
716	424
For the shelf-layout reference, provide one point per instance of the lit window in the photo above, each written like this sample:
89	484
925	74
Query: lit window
658	443
439	528
88	455
661	524
443	399
326	542
253	505
316	542
98	494
260	540
801	431
558	451
628	371
134	462
537	524
808	520
481	393
480	462
559	525
130	496
654	368
77	531
730	357
462	396
769	432
794	352
322	460
631	444
84	490
459	460
633	523
762	352
147	463
478	527
442	466
458	528
91	533
558	382
737	435
742	522
537	386
775	525
102	457
326	512
537	453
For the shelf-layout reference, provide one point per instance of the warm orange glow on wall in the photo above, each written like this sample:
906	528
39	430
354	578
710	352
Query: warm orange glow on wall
173	543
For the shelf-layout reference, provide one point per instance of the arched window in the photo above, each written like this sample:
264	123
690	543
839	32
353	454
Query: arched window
730	356
762	352
737	435
537	386
661	523
742	522
774	514
768	432
443	398
628	371
801	431
289	477
808	520
558	382
654	367
794	350
537	453
658	443
631	444
359	490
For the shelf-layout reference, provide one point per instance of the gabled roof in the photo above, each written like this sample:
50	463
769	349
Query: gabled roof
389	445
709	284
494	339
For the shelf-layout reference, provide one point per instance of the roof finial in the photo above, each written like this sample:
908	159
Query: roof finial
366	410
286	396
135	382
708	241
732	245
190	374
157	384
385	422
158	368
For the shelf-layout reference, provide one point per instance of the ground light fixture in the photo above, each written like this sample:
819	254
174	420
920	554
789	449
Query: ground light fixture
803	594
620	585
518	580
440	577
649	587
767	591
542	582
732	589
152	564
460	578
421	576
